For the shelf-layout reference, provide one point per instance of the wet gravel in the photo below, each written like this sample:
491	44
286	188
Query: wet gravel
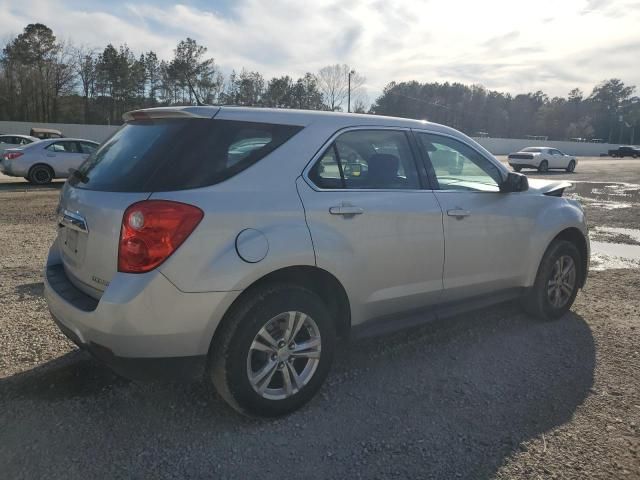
493	394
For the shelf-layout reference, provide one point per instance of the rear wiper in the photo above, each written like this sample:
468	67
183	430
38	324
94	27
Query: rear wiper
79	175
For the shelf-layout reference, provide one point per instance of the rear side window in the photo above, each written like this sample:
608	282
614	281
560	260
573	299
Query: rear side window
61	147
367	159
178	154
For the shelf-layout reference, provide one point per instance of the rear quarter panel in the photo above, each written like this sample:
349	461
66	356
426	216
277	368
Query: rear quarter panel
263	197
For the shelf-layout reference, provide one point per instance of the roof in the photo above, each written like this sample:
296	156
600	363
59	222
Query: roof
290	116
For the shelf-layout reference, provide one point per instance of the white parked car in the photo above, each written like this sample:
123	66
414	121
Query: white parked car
42	161
13	141
542	159
233	244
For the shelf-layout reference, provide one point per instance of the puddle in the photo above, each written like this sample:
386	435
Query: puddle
629	236
609	196
606	255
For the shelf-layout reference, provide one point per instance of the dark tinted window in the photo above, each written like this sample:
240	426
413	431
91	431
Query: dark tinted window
177	154
88	147
367	159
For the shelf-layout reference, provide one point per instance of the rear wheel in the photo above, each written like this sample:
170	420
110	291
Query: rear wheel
572	166
274	352
557	282
41	174
544	166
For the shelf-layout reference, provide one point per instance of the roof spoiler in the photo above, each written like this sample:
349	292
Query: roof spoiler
172	112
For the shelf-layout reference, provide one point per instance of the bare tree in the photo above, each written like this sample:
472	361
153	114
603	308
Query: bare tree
86	59
333	82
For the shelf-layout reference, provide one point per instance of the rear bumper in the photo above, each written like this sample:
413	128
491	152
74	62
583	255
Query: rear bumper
141	325
523	163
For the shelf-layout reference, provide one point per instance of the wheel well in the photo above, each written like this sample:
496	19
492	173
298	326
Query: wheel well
53	173
319	281
576	237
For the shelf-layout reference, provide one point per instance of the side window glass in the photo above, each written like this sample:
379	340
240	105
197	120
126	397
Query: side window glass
459	167
326	172
368	159
88	147
56	147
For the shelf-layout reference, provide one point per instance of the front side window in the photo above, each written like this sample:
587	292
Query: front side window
367	159
458	166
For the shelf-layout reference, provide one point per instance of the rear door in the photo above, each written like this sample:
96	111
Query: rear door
485	231
373	223
63	155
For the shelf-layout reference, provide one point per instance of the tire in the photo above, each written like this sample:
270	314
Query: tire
541	299
572	166
517	169
233	356
635	156
41	174
544	166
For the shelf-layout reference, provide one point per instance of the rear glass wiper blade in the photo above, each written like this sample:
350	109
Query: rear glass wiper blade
79	175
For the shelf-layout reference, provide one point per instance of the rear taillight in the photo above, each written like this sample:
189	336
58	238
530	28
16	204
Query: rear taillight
12	155
151	231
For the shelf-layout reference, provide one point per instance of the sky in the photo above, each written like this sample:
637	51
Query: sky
514	46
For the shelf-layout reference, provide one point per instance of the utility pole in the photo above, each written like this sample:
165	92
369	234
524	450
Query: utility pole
351	72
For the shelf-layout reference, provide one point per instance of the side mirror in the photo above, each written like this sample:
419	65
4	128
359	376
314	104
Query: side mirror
515	182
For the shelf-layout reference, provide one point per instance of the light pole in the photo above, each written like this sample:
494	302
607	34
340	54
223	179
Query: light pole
351	72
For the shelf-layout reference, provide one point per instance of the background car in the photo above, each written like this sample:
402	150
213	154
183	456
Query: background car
13	141
42	161
625	151
46	133
542	159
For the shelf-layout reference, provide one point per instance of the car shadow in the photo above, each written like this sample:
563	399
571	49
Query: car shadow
452	399
24	186
30	290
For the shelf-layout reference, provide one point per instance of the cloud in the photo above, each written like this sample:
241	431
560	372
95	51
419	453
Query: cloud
553	47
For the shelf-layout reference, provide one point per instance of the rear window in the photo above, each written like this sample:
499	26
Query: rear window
178	154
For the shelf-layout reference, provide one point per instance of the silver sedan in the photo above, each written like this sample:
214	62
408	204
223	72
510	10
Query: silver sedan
42	161
15	141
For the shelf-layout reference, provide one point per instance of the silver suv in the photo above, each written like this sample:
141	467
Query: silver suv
240	243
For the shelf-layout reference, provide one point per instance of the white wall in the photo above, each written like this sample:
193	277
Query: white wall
497	146
97	133
504	146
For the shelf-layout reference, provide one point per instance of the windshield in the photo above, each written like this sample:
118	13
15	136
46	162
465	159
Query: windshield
178	154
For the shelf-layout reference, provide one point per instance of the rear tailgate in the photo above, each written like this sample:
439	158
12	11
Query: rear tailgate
88	234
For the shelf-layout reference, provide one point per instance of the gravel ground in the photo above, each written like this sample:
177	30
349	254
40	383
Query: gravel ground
494	394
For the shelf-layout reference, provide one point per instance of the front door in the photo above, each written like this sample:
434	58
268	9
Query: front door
486	231
373	224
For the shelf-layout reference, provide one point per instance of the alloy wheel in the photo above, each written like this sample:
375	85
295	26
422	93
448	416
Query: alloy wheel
284	355
561	285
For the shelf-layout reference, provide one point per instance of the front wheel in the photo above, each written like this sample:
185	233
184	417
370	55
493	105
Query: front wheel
517	169
274	351
544	166
572	166
557	282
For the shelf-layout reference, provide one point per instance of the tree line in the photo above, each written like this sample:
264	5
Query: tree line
43	79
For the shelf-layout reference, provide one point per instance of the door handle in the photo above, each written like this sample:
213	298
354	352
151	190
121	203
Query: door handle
458	213
346	210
